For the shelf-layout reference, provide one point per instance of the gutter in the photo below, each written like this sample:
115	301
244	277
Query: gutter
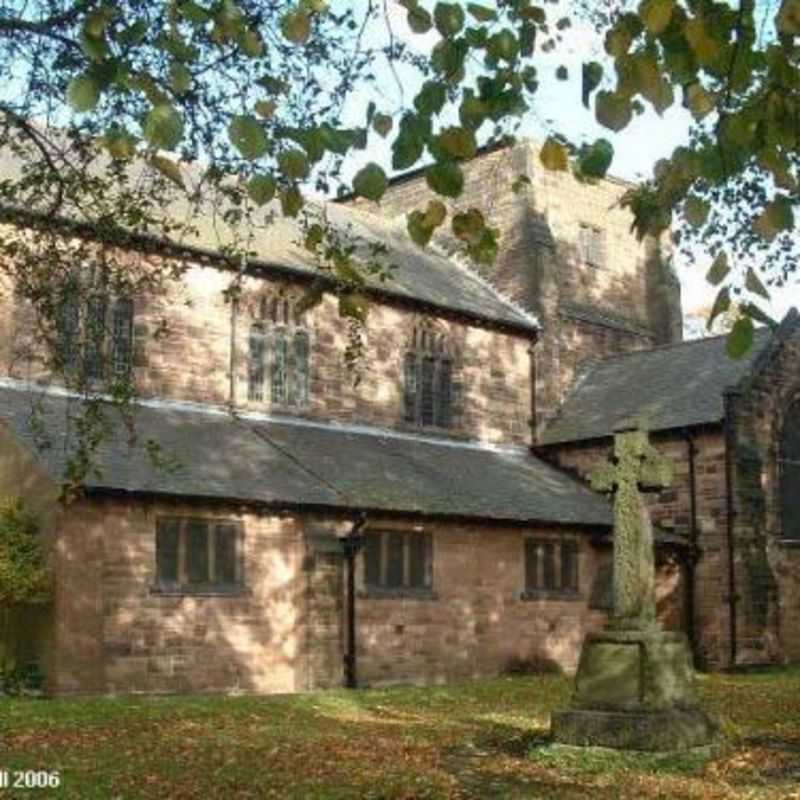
730	513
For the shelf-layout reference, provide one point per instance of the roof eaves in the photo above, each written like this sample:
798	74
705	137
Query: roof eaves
157	244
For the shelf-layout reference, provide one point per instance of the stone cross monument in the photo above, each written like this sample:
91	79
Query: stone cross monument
634	686
636	466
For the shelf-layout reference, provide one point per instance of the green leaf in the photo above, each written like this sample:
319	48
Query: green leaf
168	168
696	211
788	19
266	108
757	315
468	225
180	79
753	284
719	269
419	20
699	101
370	182
248	137
613	110
294	164
741	337
776	217
193	13
595	159
164	127
554	155
252	45
120	144
503	46
656	15
83	93
435	213
261	189
291	201
458	142
445	178
418	229
592	75
449	18
431	98
721	304
296	26
409	145
481	13
382	123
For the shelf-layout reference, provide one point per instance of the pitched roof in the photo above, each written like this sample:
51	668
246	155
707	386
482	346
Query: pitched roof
425	276
288	462
673	386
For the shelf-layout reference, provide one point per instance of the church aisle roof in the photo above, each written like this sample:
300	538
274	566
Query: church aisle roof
673	386
294	463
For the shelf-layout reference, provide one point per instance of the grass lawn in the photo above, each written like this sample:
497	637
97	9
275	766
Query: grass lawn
485	739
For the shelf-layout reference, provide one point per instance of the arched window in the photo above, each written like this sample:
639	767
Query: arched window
428	380
790	473
279	353
255	363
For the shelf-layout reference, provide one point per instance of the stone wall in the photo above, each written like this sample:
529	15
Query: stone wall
767	566
115	633
671	509
631	302
183	348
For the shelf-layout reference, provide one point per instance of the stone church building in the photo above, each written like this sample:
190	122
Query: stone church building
459	459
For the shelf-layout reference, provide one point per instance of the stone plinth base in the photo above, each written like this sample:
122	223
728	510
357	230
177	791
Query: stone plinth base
634	690
676	729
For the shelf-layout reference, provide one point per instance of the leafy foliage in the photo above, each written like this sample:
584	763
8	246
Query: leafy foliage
24	575
115	114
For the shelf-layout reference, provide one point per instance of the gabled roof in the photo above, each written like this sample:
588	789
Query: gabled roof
673	386
291	463
423	276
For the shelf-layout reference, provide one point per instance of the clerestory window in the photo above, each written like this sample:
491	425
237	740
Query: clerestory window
279	353
428	380
94	335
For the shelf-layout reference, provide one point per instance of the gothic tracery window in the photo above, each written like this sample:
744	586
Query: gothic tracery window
95	334
279	353
428	379
790	473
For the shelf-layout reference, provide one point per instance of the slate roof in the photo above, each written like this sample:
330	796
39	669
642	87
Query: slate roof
673	386
298	463
425	276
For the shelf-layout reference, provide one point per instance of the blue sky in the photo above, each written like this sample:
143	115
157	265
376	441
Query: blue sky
558	107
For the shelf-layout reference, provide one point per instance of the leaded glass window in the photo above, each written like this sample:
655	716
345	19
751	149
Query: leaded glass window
255	364
122	331
198	555
551	565
280	358
428	381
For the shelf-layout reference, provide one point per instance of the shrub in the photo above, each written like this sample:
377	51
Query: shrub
24	575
